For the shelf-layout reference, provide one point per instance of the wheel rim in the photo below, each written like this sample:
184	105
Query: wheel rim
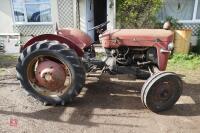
161	91
164	91
49	76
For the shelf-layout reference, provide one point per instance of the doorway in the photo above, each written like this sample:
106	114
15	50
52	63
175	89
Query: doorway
100	15
95	12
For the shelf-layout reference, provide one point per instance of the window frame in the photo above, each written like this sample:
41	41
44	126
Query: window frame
194	17
25	14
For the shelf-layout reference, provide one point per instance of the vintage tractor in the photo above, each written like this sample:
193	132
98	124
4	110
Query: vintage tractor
52	67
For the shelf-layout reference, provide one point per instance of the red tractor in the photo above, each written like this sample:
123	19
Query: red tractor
52	67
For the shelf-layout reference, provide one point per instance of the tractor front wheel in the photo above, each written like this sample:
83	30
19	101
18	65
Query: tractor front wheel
51	72
161	91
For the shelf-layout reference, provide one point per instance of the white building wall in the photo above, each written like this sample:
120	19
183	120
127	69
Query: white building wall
37	29
54	11
6	23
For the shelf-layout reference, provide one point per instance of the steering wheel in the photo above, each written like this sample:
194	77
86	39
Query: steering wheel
98	27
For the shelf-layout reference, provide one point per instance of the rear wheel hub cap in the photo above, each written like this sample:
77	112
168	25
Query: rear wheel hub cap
51	75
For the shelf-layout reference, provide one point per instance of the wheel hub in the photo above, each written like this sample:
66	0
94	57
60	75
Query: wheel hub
50	75
164	91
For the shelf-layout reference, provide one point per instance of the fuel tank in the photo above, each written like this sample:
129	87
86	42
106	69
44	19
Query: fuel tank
136	37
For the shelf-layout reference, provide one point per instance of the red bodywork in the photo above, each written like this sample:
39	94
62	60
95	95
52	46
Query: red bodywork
83	40
78	40
157	38
74	38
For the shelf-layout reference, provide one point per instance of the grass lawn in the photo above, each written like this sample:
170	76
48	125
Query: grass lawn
184	62
6	62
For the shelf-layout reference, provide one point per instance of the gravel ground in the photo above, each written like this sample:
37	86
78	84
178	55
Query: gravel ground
101	107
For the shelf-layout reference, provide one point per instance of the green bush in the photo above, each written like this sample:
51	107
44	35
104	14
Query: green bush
138	13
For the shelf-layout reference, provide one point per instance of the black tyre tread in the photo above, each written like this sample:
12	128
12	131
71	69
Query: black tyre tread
146	84
63	51
56	47
150	82
154	79
40	45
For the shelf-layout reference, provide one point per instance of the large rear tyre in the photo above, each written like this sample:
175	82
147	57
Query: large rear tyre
51	72
161	91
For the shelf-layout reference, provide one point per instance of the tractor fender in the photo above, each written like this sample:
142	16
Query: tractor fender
71	41
77	34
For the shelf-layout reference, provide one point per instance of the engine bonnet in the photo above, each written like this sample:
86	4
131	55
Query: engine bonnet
139	34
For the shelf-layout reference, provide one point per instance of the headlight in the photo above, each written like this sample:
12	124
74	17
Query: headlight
171	46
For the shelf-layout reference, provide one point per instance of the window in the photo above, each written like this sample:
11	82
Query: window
31	11
183	10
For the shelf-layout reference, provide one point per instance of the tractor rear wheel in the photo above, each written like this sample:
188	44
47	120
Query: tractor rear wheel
51	72
161	91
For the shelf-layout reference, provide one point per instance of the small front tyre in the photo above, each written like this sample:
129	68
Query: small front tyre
161	91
